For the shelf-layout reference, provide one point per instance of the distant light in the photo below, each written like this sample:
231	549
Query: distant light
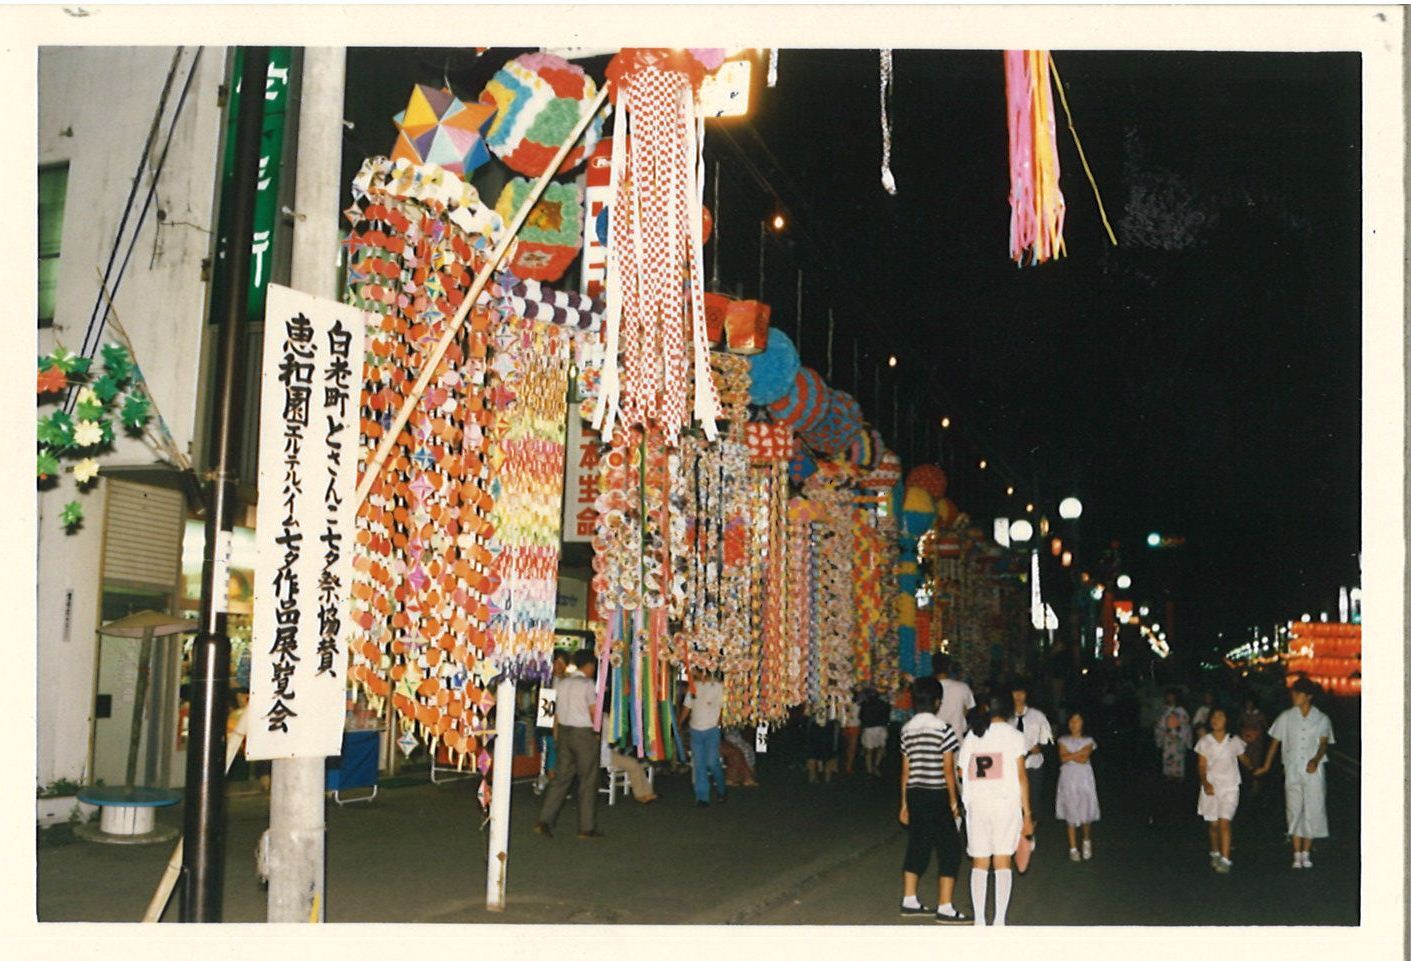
1097	592
984	464
1009	491
1144	611
1055	547
1020	531
1306	618
945	422
1070	508
892	361
1156	627
778	222
1029	508
1153	539
1124	581
1067	558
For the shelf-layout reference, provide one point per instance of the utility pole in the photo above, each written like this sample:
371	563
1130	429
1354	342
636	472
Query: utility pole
203	855
296	806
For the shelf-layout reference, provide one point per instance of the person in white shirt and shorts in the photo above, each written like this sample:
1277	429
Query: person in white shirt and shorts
1220	755
995	790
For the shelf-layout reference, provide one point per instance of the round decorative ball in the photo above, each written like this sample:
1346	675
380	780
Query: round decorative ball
930	478
772	372
538	99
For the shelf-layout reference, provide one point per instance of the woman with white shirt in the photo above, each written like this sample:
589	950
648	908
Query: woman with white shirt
995	790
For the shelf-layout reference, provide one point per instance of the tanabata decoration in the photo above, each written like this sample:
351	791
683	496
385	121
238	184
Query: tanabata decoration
550	238
730	376
770	601
538	99
422	578
1035	200
838	427
534	301
655	292
929	478
457	547
772	371
865	449
769	443
438	128
529	397
746	326
887	473
802	466
597	196
805	404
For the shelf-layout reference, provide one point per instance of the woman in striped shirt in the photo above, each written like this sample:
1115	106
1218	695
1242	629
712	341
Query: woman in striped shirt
930	806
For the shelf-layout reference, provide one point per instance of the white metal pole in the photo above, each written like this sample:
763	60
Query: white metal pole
501	778
296	807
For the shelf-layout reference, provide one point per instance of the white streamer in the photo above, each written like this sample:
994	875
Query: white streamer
773	67
889	183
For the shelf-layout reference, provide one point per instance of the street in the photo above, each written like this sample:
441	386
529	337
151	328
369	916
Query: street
787	852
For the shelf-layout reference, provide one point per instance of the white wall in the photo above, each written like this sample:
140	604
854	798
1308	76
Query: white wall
96	106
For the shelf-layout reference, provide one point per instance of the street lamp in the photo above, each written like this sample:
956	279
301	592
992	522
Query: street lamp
1020	531
1070	508
1153	539
1124	581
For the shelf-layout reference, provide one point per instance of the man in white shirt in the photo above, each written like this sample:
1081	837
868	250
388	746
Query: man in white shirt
578	749
701	712
1033	724
956	697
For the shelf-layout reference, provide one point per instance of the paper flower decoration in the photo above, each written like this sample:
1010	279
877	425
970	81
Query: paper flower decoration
72	514
52	381
551	235
46	465
929	478
438	128
538	98
87	433
85	470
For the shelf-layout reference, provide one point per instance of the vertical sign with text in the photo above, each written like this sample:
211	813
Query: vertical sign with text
309	395
580	490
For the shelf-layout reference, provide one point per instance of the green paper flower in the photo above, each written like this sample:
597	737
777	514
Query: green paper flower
116	361
47	465
105	388
72	514
88	410
136	410
56	430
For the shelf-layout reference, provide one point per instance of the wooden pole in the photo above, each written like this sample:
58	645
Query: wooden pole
389	438
139	704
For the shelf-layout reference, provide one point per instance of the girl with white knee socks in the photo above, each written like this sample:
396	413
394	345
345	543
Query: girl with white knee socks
996	795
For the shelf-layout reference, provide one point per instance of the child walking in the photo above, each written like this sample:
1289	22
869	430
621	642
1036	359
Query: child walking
930	804
1219	755
996	794
1077	788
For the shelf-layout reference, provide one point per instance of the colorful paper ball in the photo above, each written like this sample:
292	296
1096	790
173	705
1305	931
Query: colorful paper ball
539	99
864	450
438	128
772	372
838	427
551	235
946	511
928	477
802	466
886	472
805	403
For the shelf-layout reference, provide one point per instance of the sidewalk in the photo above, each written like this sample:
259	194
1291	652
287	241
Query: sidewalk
417	854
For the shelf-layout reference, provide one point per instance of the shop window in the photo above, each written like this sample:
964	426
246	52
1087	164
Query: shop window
53	186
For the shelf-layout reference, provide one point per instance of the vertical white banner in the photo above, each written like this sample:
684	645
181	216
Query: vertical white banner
310	383
580	488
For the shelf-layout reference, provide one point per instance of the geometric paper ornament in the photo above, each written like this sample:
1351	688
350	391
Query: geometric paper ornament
438	128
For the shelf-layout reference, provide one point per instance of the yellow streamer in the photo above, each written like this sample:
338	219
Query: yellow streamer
1063	97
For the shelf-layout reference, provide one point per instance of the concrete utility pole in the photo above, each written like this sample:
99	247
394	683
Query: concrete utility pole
501	780
296	806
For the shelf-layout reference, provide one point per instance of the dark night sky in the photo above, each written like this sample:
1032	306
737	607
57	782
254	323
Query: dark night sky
1201	379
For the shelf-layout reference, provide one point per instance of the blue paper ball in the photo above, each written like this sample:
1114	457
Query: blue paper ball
772	372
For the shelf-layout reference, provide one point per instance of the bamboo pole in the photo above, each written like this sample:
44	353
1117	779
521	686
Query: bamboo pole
389	438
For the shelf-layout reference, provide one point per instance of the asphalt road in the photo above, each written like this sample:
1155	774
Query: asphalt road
787	852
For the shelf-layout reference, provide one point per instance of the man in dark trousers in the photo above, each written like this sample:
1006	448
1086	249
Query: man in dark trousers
578	749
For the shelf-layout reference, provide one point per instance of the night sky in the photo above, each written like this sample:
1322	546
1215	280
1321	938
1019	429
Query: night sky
1201	379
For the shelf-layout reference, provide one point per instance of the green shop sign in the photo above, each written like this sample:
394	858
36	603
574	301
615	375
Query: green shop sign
266	220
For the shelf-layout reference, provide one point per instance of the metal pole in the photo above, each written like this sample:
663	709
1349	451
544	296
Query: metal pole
501	778
296	804
203	856
715	231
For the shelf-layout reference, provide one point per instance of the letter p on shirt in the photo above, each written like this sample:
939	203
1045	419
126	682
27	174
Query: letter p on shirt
986	767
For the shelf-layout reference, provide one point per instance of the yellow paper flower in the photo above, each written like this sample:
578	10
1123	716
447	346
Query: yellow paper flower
86	396
85	470
87	433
